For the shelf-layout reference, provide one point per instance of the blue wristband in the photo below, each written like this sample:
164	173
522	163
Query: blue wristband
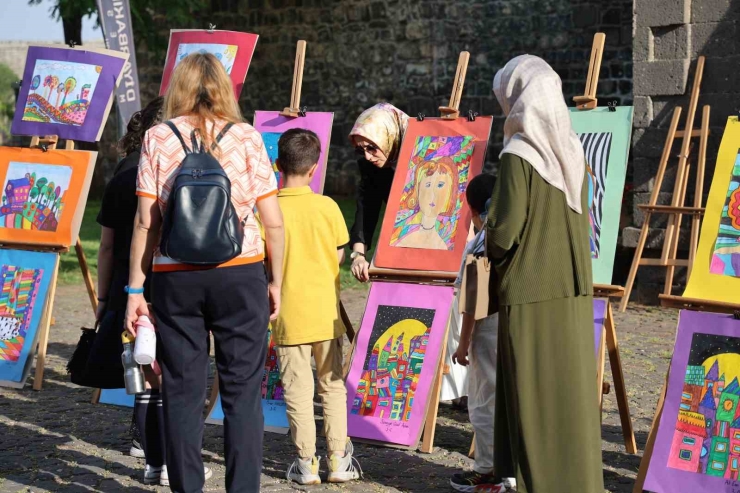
131	290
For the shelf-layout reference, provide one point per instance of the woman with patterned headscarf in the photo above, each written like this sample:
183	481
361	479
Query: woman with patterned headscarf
377	137
547	433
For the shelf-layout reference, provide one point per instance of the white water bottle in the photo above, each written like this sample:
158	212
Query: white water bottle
146	341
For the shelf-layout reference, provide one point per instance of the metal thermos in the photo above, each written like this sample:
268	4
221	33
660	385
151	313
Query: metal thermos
132	374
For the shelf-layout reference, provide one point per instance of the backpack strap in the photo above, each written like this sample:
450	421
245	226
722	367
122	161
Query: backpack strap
221	134
178	135
194	140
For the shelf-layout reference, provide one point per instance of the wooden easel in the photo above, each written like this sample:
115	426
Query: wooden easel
677	208
50	142
295	96
670	301
609	344
450	112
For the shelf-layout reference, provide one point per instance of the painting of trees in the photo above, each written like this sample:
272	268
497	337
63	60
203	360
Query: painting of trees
35	83
69	86
60	90
47	83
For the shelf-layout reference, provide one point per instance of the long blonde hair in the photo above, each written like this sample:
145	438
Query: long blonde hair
201	89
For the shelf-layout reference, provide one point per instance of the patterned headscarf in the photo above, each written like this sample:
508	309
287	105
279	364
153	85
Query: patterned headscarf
537	126
384	126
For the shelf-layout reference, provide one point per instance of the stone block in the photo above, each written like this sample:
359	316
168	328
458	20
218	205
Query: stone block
660	77
648	142
714	39
671	42
653	13
713	10
643	112
720	76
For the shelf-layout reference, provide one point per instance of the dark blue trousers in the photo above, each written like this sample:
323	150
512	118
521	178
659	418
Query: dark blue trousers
232	304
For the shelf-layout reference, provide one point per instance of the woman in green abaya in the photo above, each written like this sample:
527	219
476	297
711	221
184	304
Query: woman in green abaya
547	431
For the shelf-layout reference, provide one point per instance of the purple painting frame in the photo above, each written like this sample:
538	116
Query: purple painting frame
318	122
438	298
660	477
599	320
100	103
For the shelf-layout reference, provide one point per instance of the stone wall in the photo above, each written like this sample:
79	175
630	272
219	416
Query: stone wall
361	52
669	35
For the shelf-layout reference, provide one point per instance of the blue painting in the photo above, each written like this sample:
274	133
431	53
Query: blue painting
24	285
116	397
226	54
271	145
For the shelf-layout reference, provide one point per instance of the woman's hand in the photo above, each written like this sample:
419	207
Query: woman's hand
274	293
360	267
135	307
461	355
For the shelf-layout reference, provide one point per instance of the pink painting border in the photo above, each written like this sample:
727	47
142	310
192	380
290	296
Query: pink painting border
318	122
438	298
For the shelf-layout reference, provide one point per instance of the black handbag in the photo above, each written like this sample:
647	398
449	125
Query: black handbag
77	365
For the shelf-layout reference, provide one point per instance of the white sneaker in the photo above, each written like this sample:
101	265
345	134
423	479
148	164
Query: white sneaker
136	450
304	471
342	469
153	475
164	478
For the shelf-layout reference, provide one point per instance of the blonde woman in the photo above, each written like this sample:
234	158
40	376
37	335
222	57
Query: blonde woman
230	300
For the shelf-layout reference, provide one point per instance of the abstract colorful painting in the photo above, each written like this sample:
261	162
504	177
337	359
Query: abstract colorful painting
271	124
67	92
226	54
596	147
726	256
697	448
714	276
433	194
43	195
273	404
233	49
60	92
33	196
271	146
427	218
24	284
395	361
605	136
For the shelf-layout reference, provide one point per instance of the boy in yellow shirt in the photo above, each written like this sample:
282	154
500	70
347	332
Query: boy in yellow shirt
309	321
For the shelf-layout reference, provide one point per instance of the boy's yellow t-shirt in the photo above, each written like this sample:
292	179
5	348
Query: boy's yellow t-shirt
314	231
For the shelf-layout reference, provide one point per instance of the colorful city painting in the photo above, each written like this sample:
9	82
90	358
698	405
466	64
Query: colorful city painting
271	146
67	92
697	448
605	135
432	197
427	219
273	403
271	124
596	146
726	255
60	92
225	53
395	361
24	283
33	196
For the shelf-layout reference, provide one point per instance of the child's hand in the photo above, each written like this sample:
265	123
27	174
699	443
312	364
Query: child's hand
461	355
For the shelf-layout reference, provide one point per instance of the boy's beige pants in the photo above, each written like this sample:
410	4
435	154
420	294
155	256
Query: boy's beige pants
298	390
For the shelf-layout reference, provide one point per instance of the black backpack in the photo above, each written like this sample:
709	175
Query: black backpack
201	226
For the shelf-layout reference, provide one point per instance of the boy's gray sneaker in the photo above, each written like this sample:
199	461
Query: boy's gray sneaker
343	469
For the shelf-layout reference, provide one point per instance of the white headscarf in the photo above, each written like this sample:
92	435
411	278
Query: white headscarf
538	127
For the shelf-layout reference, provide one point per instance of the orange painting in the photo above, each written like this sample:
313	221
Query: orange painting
44	195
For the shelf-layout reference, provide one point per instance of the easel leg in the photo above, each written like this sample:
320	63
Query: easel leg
648	454
635	263
600	365
430	424
38	378
86	276
620	389
214	395
471	452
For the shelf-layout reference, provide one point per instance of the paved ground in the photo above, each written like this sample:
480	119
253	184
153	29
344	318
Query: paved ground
55	440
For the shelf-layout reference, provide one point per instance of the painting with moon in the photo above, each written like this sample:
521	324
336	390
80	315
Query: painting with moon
395	361
698	443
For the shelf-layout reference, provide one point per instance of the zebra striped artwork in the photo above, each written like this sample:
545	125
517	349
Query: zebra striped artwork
596	146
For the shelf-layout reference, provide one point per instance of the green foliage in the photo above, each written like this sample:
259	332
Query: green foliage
7	99
152	20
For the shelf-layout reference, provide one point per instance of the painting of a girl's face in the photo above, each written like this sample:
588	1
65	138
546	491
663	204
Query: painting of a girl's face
434	192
